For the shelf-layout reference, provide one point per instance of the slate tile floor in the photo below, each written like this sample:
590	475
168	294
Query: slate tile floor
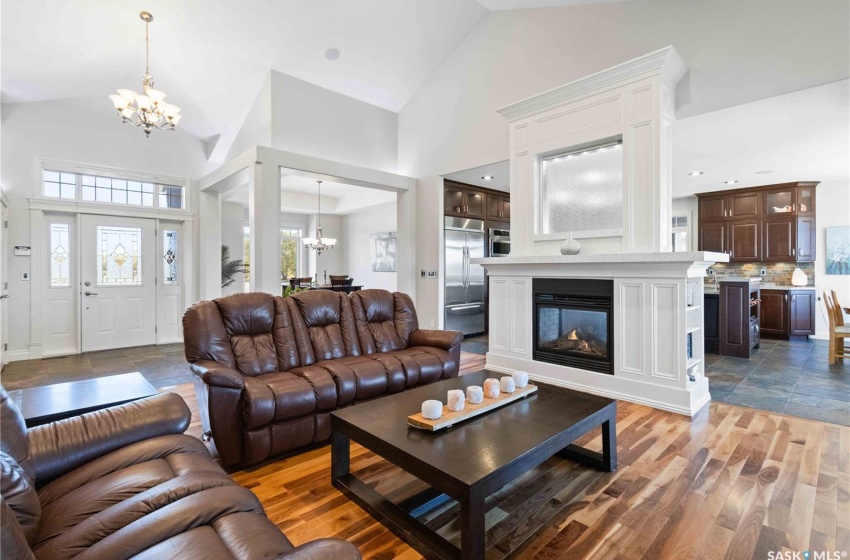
790	377
162	366
475	344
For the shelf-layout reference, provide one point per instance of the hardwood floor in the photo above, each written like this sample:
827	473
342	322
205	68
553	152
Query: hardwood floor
731	483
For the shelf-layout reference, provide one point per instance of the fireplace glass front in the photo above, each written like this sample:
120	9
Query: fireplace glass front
573	323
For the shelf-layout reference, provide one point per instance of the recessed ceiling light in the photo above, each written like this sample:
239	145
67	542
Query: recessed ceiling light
332	53
487	177
732	182
695	173
764	171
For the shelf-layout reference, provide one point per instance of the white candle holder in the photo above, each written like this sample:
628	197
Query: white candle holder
432	409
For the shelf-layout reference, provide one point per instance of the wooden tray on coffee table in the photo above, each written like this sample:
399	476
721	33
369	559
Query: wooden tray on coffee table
450	418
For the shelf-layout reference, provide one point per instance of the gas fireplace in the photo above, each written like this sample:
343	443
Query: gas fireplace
573	323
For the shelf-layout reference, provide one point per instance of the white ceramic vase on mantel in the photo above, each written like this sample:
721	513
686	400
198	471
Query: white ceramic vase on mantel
570	246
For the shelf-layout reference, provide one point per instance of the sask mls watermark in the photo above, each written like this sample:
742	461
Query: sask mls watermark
807	555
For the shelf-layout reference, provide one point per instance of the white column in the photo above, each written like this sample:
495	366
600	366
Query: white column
406	228
264	220
209	245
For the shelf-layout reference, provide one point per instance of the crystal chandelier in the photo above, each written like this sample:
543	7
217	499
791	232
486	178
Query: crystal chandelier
148	110
319	243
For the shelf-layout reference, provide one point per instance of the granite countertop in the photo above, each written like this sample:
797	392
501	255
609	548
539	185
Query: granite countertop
714	288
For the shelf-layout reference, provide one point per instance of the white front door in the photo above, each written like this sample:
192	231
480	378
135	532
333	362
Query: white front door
118	274
4	285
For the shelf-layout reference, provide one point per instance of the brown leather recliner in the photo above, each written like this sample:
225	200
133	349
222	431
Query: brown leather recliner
269	370
125	482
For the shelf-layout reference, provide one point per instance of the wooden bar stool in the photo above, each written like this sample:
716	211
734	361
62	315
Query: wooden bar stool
837	332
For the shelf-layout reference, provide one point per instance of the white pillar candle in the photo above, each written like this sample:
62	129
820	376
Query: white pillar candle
520	378
507	384
455	400
432	409
491	388
474	394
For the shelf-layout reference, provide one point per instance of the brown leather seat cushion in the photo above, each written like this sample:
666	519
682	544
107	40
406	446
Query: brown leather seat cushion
421	364
104	496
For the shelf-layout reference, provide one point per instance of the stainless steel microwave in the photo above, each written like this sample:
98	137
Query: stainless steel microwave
500	242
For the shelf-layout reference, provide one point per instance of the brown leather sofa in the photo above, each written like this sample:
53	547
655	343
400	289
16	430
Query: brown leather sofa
269	370
126	482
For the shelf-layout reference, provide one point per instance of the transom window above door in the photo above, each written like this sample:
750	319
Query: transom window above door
112	190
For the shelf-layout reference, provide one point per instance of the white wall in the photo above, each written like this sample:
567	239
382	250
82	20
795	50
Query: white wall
84	131
833	209
311	120
358	228
256	129
233	235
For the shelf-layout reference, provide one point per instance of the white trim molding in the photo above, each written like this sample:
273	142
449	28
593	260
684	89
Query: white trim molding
666	62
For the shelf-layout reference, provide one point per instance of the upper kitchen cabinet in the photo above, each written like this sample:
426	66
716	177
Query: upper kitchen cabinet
467	201
498	207
463	201
772	223
789	199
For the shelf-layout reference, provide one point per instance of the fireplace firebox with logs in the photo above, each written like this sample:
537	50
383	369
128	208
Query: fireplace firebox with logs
573	323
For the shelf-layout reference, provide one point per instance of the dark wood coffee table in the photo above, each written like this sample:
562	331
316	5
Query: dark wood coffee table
469	461
41	405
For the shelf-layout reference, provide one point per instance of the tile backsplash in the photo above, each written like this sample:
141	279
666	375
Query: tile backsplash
777	273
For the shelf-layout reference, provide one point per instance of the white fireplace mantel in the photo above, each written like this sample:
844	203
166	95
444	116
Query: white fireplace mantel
657	303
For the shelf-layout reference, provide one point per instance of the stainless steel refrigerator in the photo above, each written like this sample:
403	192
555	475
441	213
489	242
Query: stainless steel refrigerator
466	287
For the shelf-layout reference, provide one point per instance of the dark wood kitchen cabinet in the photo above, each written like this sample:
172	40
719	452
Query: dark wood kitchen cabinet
744	240
712	237
498	207
771	223
739	329
787	313
463	201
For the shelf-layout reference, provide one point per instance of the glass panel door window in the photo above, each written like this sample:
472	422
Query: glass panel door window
60	257
119	256
170	252
680	231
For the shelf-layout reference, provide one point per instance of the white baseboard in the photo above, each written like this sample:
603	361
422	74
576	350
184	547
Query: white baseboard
18	355
698	404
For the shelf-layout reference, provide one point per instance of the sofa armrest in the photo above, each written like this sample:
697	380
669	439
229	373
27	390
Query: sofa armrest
438	339
59	447
321	549
217	375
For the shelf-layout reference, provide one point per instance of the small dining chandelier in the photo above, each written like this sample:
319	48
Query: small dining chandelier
319	243
148	110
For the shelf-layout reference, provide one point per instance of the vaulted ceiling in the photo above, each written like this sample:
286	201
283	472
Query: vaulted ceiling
212	56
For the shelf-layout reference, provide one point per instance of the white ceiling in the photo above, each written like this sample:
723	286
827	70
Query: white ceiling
299	195
212	56
494	5
500	171
799	136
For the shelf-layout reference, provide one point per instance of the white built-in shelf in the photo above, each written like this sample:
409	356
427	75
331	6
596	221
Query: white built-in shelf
693	307
692	329
692	362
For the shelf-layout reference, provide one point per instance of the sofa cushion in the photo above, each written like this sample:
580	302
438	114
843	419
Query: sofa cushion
243	535
14	442
421	364
360	377
329	322
13	542
288	396
384	320
120	488
249	320
20	495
